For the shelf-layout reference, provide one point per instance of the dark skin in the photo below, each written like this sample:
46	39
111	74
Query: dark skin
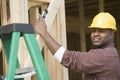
99	37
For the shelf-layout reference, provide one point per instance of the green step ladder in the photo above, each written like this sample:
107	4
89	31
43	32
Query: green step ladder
10	35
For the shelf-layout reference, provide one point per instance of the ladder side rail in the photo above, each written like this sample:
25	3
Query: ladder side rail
13	56
36	57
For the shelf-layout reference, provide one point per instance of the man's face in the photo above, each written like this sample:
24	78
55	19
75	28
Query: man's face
101	37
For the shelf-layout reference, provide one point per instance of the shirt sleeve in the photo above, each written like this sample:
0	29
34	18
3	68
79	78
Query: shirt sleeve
59	54
90	62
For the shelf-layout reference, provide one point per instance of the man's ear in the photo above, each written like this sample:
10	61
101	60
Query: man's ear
112	34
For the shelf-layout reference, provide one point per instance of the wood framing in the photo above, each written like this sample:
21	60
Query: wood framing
27	11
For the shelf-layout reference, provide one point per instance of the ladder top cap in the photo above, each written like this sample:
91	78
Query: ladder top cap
17	27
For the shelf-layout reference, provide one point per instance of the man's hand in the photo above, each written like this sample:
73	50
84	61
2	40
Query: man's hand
40	27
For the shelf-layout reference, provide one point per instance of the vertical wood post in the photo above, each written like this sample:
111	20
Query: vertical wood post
82	27
101	5
3	22
82	31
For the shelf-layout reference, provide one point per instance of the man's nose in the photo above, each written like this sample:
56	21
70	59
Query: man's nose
96	32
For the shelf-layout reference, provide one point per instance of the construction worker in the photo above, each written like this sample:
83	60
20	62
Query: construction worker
100	63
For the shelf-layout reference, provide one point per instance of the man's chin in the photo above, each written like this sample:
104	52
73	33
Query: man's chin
97	44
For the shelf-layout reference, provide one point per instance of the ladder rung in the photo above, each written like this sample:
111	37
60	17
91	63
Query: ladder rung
2	77
21	76
24	70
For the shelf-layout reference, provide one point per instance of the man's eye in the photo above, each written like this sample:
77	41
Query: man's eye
93	30
102	31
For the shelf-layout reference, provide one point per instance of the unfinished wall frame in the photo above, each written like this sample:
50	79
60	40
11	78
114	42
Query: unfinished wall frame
27	11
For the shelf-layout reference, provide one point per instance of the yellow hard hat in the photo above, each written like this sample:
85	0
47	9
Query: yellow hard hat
104	20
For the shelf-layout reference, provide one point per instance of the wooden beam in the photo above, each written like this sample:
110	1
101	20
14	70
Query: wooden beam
70	1
82	29
52	11
42	1
58	32
55	21
101	5
62	38
34	4
19	11
4	21
3	12
82	24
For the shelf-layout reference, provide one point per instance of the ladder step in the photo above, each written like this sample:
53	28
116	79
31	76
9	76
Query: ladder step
2	77
24	70
22	73
22	76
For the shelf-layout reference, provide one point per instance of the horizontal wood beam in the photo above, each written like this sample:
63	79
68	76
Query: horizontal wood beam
34	4
43	1
37	3
70	1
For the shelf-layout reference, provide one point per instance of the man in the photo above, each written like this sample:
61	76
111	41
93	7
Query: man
100	63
